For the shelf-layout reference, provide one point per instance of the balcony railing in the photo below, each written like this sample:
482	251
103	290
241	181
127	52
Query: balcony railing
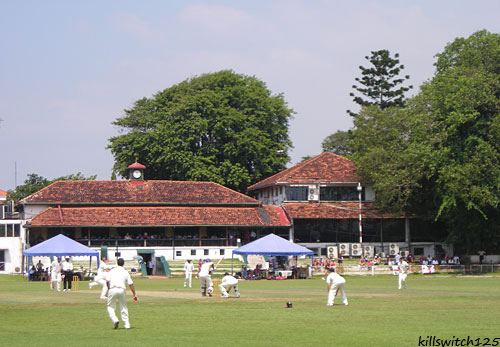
167	242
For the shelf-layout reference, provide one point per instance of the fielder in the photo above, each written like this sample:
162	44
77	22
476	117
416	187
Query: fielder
100	278
117	280
206	284
229	282
334	284
188	273
403	273
55	274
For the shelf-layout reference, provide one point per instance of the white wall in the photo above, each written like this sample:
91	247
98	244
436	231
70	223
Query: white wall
168	252
12	246
31	211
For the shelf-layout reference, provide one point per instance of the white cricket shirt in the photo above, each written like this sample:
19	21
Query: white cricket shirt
205	269
334	278
229	280
118	277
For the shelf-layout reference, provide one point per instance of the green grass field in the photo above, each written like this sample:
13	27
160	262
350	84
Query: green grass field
170	315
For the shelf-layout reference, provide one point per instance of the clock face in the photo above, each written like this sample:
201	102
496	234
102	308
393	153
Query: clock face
136	174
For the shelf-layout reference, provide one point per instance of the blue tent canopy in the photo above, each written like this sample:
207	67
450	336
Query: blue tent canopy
59	246
273	245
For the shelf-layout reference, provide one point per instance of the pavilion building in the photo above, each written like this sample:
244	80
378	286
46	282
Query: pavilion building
151	218
332	210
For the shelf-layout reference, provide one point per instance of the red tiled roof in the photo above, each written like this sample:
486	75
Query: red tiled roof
265	216
334	210
136	165
138	193
324	168
3	193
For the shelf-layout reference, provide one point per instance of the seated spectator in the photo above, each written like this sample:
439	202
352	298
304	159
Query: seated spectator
32	273
39	267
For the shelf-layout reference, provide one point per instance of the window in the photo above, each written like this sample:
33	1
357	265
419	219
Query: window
10	230
178	253
340	194
205	252
222	251
296	193
193	252
17	230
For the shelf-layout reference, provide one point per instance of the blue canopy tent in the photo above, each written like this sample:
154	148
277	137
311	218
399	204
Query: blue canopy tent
60	246
273	245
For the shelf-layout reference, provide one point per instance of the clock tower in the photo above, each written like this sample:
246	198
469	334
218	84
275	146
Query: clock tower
136	171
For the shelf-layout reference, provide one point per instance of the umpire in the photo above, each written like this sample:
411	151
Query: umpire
67	270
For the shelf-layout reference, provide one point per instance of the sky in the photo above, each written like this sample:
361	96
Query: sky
68	69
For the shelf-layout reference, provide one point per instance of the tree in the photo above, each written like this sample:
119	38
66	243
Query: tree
222	127
440	154
338	143
34	183
380	84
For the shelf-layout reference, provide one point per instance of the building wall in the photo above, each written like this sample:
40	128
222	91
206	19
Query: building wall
170	253
276	195
31	211
12	246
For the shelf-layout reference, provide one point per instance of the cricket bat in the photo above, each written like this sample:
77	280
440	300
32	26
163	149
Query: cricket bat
219	262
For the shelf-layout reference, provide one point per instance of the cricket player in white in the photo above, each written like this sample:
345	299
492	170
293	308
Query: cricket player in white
335	283
117	280
205	278
100	278
229	282
55	274
403	273
188	272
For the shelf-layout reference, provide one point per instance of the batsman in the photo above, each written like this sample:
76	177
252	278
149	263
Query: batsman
205	276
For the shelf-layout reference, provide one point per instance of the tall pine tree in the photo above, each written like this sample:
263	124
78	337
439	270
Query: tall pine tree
381	83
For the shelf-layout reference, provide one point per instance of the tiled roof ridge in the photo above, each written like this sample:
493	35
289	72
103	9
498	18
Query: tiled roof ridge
287	172
27	198
278	175
153	188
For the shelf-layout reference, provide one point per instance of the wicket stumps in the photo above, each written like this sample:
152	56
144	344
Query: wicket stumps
75	282
215	283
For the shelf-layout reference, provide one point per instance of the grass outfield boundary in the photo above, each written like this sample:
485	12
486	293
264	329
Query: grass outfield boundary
169	315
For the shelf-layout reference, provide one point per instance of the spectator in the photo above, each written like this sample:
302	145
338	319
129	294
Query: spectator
150	266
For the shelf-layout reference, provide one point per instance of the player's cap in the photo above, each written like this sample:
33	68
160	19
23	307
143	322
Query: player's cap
207	260
331	269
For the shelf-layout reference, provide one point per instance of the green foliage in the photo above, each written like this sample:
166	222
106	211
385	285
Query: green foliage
221	127
441	152
34	183
380	84
338	143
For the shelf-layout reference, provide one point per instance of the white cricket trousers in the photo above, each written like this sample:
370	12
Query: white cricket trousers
205	283
55	281
333	292
118	295
225	289
402	280
100	280
188	279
